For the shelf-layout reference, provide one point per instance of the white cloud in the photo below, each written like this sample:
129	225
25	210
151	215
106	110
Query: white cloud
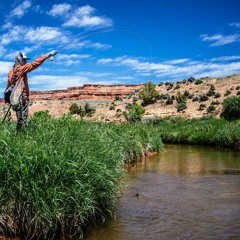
5	68
235	24
59	9
84	17
177	61
7	25
43	34
21	9
33	35
48	82
173	70
16	33
219	40
70	59
225	58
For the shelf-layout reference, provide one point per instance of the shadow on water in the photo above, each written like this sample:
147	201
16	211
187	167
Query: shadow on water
184	192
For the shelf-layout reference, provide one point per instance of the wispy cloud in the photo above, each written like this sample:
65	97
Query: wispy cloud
59	9
71	59
48	82
4	69
225	58
174	70
177	61
32	35
219	40
21	9
85	17
81	17
235	24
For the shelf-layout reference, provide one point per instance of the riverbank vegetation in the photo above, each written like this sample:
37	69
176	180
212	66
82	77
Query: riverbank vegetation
62	173
204	131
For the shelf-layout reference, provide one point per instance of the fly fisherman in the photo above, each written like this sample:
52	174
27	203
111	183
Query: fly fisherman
19	73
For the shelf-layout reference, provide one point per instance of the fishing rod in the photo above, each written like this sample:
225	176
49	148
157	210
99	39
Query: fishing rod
87	34
6	113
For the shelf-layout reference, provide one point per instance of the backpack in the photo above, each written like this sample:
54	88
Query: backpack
8	91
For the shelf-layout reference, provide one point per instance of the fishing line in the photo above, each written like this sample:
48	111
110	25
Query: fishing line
87	34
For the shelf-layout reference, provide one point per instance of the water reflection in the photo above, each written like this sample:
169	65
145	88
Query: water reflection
182	193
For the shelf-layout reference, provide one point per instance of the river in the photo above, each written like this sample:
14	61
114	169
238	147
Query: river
184	192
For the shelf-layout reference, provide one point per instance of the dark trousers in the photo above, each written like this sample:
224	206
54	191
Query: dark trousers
22	113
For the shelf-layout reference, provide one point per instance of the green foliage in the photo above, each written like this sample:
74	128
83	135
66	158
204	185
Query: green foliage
217	95
181	98
211	108
149	93
231	108
202	106
191	79
228	92
205	131
203	97
177	86
134	114
211	91
195	99
199	81
181	106
74	109
63	173
42	114
169	101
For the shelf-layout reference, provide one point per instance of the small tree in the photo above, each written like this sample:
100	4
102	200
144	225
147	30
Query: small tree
74	109
231	108
148	94
134	114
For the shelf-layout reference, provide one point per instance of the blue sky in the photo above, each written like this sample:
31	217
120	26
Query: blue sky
179	39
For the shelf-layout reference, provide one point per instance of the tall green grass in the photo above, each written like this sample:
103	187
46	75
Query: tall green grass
204	131
62	173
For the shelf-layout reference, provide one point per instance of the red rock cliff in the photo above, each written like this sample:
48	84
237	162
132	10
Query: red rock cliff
87	91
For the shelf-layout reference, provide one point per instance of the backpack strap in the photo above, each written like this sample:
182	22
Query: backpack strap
14	77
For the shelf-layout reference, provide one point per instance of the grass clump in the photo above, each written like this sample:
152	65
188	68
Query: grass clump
204	131
62	173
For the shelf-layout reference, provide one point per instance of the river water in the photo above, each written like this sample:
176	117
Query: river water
184	192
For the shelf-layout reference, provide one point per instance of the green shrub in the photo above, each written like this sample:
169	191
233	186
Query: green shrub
41	114
217	95
169	101
202	106
134	114
195	99
228	92
211	91
211	108
74	109
177	86
191	79
231	108
180	98
181	106
199	81
203	97
148	94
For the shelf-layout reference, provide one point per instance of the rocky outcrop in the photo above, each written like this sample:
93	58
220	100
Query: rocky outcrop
87	91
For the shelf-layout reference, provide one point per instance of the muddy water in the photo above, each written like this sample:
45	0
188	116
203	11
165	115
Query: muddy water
185	192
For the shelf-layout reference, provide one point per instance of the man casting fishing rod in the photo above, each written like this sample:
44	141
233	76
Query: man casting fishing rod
19	73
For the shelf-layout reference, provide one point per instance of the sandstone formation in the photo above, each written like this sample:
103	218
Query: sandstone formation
87	91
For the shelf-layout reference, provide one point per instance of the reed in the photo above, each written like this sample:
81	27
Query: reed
204	131
62	173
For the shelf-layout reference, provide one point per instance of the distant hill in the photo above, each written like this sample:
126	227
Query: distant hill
116	97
